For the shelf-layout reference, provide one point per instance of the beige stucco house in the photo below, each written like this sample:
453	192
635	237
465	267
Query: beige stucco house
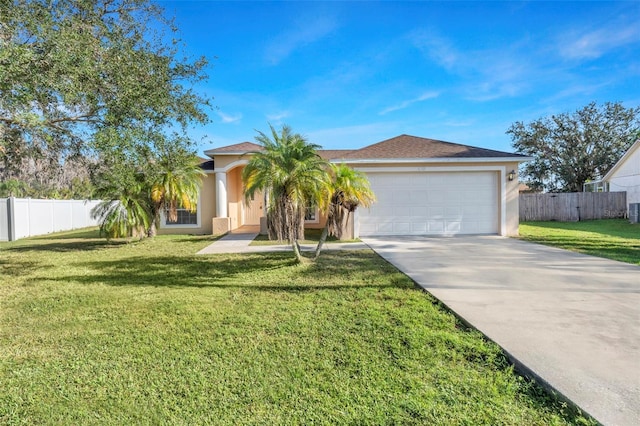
423	187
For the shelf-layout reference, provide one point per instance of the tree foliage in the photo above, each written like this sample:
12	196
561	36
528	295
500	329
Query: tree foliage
570	149
292	175
346	190
137	187
78	77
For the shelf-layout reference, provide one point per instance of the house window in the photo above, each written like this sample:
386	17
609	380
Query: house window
185	217
311	214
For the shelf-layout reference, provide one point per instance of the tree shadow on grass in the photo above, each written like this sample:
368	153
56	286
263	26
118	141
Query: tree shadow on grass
259	271
16	268
86	233
66	246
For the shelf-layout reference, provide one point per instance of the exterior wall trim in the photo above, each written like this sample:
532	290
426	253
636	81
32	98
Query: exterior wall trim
231	166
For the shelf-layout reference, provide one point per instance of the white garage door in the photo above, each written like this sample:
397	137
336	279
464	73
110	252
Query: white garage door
423	203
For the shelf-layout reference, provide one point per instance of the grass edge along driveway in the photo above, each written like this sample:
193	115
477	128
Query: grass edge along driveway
96	332
615	239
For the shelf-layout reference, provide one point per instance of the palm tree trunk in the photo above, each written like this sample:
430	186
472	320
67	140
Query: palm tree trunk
323	238
296	250
152	231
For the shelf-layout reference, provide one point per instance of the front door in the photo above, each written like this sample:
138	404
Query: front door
253	211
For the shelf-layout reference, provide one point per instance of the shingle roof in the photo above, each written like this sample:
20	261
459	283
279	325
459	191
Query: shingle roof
403	146
406	146
333	154
235	148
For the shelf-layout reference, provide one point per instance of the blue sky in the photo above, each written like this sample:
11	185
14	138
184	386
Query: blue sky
348	74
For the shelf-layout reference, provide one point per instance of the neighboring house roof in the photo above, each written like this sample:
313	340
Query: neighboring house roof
622	160
400	147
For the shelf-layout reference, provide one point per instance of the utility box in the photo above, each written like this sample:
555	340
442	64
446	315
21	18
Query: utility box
634	212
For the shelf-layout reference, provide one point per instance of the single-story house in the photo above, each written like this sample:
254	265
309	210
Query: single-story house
624	176
423	187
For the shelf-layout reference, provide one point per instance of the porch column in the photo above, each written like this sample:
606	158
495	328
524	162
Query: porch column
221	194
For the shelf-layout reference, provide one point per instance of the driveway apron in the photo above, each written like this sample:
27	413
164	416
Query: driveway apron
572	320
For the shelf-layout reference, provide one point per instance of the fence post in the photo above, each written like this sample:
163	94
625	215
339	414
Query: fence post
11	219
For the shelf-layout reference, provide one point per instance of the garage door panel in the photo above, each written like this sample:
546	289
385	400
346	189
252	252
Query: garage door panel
435	226
422	203
453	211
436	196
402	227
421	212
418	227
453	227
435	179
437	211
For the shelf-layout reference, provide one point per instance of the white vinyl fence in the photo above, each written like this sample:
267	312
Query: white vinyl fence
26	217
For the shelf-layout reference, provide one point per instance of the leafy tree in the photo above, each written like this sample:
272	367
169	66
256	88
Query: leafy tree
292	175
75	73
347	189
571	149
13	188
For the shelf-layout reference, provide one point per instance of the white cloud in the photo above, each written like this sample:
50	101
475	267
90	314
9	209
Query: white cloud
595	43
305	33
407	103
510	70
490	73
278	116
226	118
439	49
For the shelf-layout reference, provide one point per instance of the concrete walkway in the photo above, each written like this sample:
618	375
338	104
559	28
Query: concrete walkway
572	320
238	241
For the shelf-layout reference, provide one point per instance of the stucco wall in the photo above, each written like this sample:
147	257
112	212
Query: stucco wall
223	161
513	197
207	210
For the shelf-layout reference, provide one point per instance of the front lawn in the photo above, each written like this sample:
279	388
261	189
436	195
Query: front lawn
93	332
615	239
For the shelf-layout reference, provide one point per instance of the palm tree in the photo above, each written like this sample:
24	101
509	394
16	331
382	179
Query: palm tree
135	195
347	190
175	184
127	212
291	174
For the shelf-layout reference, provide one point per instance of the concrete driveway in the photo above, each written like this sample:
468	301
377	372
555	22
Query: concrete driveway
572	320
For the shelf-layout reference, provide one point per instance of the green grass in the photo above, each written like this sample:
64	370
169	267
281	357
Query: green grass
615	239
96	332
311	236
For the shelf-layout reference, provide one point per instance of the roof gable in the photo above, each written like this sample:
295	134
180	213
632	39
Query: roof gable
626	156
406	146
235	149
